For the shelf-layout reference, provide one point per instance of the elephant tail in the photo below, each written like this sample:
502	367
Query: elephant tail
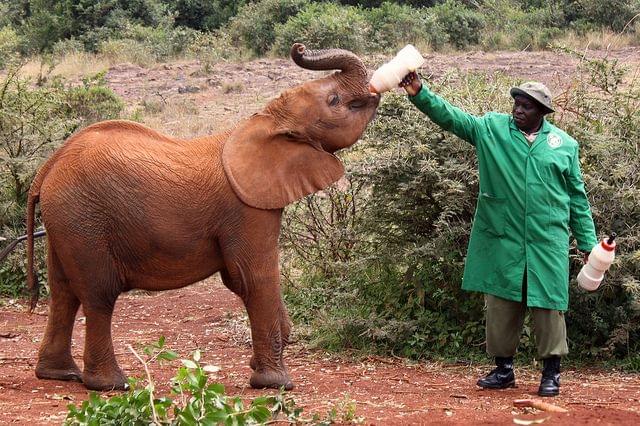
32	275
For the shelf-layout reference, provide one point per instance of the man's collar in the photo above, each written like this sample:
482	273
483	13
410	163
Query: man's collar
544	128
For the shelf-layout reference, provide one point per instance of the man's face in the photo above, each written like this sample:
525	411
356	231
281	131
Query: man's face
527	114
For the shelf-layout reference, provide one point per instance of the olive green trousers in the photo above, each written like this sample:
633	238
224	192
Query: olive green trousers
505	319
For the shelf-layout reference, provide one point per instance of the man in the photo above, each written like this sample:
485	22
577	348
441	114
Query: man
531	195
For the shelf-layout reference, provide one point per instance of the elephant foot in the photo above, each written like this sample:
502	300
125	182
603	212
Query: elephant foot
71	373
261	379
105	382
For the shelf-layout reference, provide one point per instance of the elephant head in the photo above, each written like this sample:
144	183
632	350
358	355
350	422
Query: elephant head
286	151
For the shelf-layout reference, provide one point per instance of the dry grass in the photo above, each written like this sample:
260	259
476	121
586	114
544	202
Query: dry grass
604	39
71	66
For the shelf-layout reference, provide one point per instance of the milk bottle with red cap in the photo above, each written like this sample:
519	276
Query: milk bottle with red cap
389	75
600	259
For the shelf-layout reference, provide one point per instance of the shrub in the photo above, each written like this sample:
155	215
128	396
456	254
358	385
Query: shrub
602	110
614	14
254	26
213	47
324	25
205	15
126	50
398	291
463	25
34	121
393	25
197	401
9	43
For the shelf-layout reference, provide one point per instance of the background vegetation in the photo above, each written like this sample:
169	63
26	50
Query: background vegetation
374	264
377	266
145	31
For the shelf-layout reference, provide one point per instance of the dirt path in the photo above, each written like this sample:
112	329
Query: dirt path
383	391
208	317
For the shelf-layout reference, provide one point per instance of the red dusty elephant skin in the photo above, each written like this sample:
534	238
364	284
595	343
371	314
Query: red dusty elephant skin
126	207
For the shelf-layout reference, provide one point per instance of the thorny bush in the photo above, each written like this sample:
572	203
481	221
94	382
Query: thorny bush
399	289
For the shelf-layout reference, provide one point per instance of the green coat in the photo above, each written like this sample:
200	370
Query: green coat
530	196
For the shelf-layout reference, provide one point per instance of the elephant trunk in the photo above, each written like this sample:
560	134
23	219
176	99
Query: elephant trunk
329	59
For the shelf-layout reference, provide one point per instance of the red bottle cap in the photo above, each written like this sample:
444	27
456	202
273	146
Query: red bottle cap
608	247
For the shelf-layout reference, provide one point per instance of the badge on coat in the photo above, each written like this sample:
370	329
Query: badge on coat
554	141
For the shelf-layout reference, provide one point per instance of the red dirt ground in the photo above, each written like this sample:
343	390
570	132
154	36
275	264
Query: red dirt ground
207	316
385	391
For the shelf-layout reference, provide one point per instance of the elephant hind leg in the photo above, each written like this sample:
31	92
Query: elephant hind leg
101	370
54	357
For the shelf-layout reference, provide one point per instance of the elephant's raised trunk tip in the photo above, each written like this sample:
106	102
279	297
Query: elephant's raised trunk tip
297	50
328	59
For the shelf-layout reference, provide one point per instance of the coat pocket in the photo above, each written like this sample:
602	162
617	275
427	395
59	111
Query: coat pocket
491	214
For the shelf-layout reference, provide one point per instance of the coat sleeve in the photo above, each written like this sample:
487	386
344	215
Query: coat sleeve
447	116
580	220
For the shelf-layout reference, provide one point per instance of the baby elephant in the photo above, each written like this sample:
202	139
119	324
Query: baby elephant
126	207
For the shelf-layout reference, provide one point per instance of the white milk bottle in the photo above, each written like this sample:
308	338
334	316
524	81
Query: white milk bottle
600	259
389	75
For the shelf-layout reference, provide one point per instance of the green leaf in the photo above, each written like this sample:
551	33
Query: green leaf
168	356
189	364
260	414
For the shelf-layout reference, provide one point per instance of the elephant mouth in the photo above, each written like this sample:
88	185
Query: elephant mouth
376	102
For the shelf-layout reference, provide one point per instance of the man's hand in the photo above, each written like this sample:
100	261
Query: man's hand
585	257
411	83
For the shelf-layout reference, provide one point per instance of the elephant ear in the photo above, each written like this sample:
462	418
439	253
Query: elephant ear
269	167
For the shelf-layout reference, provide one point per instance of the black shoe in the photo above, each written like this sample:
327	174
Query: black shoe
501	377
550	383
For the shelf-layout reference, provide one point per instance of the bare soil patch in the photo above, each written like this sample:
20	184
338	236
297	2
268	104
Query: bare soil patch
208	317
385	391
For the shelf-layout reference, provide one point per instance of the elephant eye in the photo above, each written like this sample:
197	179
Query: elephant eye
334	100
357	104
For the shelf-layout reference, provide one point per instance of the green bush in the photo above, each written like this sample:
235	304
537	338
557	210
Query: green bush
614	14
145	45
324	25
396	287
462	24
197	401
34	121
520	26
254	26
393	25
603	113
205	15
213	47
9	44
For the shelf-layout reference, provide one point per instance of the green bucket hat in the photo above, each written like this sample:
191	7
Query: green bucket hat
536	91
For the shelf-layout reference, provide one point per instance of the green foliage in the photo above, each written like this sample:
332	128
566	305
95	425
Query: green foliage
205	15
34	121
462	24
520	26
393	26
324	25
198	402
254	25
93	101
602	110
9	43
614	14
396	287
213	47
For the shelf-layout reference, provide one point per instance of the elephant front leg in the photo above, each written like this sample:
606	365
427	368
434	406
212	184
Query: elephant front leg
269	335
270	326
